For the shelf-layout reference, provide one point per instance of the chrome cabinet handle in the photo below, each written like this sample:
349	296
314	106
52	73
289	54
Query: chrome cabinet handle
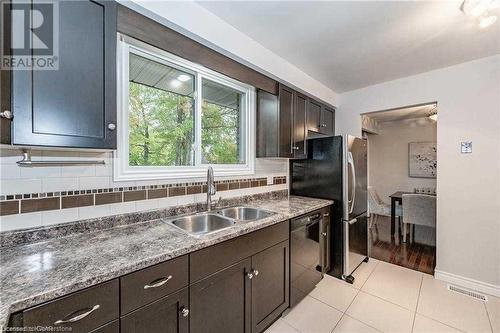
250	275
322	125
158	283
255	272
295	148
323	234
111	127
78	317
184	312
7	114
326	214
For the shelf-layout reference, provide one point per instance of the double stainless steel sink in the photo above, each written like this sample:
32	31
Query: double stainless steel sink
206	223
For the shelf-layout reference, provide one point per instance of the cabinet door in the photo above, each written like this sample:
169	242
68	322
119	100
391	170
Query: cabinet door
328	121
75	105
299	126
270	285
286	96
313	116
169	314
267	124
221	302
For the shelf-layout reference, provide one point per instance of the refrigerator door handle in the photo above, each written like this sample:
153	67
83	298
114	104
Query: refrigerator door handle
350	161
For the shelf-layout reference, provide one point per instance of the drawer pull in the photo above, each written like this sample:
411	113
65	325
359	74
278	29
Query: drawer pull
184	312
78	317
158	283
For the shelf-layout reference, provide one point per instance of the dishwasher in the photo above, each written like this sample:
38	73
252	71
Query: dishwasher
309	252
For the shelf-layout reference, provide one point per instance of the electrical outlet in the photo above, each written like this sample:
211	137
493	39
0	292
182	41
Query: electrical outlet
466	147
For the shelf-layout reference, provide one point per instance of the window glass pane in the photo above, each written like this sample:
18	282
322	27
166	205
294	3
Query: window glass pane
221	125
161	114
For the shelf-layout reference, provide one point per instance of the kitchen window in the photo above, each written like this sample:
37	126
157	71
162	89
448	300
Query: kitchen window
175	118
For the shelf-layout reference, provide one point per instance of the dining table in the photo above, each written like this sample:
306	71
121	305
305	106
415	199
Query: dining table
397	198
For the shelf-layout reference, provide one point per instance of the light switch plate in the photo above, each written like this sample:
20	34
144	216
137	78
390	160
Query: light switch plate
466	147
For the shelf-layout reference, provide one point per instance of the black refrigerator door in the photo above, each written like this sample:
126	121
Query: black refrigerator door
355	243
320	175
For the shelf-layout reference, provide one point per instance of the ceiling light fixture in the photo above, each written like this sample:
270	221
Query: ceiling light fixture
183	78
485	22
175	83
479	9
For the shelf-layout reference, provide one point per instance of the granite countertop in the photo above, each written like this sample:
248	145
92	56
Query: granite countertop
34	273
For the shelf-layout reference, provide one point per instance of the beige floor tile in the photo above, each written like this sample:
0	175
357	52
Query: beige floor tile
280	326
493	308
351	325
426	325
334	292
362	273
313	316
380	314
450	308
395	284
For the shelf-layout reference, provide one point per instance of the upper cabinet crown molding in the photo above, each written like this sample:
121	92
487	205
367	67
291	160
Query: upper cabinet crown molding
74	105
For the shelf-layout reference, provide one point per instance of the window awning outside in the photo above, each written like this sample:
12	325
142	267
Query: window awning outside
157	75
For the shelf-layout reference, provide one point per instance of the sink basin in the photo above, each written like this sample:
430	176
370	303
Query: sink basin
202	224
245	213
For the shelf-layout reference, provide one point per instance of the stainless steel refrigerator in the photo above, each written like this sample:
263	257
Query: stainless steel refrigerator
336	169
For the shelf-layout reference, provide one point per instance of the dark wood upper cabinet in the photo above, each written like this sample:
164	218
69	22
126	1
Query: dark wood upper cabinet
267	123
313	116
221	302
285	126
270	287
169	314
327	121
75	105
299	126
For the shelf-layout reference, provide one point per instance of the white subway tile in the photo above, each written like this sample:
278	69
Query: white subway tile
20	186
122	207
147	204
20	221
10	171
59	184
93	211
167	202
104	170
185	199
59	155
59	216
88	183
78	171
40	172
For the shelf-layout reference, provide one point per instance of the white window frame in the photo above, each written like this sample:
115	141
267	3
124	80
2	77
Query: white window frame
122	171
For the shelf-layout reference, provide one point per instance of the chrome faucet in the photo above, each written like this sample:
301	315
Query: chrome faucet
210	187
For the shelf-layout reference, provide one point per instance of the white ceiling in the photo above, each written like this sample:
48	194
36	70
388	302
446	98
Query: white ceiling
352	44
412	112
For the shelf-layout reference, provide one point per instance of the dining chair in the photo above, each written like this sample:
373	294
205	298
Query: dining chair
418	209
376	207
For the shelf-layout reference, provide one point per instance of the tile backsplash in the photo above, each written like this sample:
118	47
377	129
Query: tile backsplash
37	196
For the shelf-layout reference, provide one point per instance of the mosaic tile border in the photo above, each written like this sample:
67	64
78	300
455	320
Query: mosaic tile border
36	202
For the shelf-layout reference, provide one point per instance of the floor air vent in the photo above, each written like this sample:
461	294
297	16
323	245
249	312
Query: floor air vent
467	292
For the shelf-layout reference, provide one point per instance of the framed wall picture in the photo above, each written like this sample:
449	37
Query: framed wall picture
422	159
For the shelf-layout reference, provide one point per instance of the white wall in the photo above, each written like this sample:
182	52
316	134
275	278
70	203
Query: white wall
468	204
207	28
388	155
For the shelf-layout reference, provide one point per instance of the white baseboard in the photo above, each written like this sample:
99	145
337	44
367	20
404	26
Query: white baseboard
468	283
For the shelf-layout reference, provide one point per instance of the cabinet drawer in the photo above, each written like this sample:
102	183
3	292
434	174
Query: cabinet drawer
95	306
214	258
113	327
144	286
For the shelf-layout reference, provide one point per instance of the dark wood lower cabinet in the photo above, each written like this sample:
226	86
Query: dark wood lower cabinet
113	327
221	302
270	287
166	315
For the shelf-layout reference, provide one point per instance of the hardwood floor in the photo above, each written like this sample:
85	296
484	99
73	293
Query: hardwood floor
414	255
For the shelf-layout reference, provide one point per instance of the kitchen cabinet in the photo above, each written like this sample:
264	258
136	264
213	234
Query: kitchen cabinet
320	118
270	285
281	123
169	314
221	302
75	105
